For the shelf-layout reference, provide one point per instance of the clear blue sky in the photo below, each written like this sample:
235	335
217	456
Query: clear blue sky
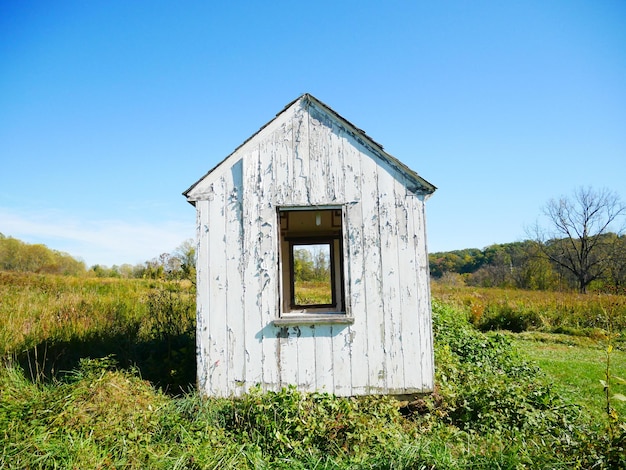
110	109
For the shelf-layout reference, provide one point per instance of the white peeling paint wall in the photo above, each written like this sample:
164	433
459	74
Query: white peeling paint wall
307	157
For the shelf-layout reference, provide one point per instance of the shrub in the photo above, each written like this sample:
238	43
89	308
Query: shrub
291	423
502	316
486	387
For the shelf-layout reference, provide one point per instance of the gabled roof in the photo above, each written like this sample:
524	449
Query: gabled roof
359	135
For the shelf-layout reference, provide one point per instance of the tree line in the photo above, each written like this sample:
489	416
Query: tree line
180	264
18	256
525	265
580	246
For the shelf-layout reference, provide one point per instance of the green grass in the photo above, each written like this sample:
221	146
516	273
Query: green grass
577	365
313	293
492	407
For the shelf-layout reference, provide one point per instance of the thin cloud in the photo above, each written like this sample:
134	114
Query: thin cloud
106	242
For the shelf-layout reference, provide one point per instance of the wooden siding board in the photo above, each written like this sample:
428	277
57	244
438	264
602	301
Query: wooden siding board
374	308
356	337
202	296
235	307
425	351
218	367
324	368
327	144
252	283
392	312
345	191
318	162
408	293
288	356
268	265
284	162
306	356
424	301
300	182
341	347
336	170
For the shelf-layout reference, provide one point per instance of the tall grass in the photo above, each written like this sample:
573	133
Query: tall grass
313	293
35	308
48	323
549	311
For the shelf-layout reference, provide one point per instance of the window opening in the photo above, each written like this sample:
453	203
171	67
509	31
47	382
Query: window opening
311	260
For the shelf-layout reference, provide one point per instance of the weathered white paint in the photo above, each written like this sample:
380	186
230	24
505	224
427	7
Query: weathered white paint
308	155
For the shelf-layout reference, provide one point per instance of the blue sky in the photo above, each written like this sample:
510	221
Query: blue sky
110	109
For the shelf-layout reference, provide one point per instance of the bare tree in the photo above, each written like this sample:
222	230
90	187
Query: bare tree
579	228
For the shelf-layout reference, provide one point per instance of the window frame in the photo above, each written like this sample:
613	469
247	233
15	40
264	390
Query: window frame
308	241
333	234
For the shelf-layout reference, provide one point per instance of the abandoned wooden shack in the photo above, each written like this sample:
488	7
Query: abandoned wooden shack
312	265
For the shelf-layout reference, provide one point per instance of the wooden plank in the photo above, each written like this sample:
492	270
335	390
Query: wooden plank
306	357
284	163
424	330
390	274
323	346
218	345
235	308
317	162
411	342
341	344
341	335
424	301
355	338
374	307
288	356
300	181
267	266
251	285
336	181
202	296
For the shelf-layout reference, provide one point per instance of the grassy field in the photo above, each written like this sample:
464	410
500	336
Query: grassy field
577	364
565	333
99	374
313	293
49	323
588	315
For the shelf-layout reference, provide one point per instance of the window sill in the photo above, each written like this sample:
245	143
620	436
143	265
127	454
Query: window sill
313	319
